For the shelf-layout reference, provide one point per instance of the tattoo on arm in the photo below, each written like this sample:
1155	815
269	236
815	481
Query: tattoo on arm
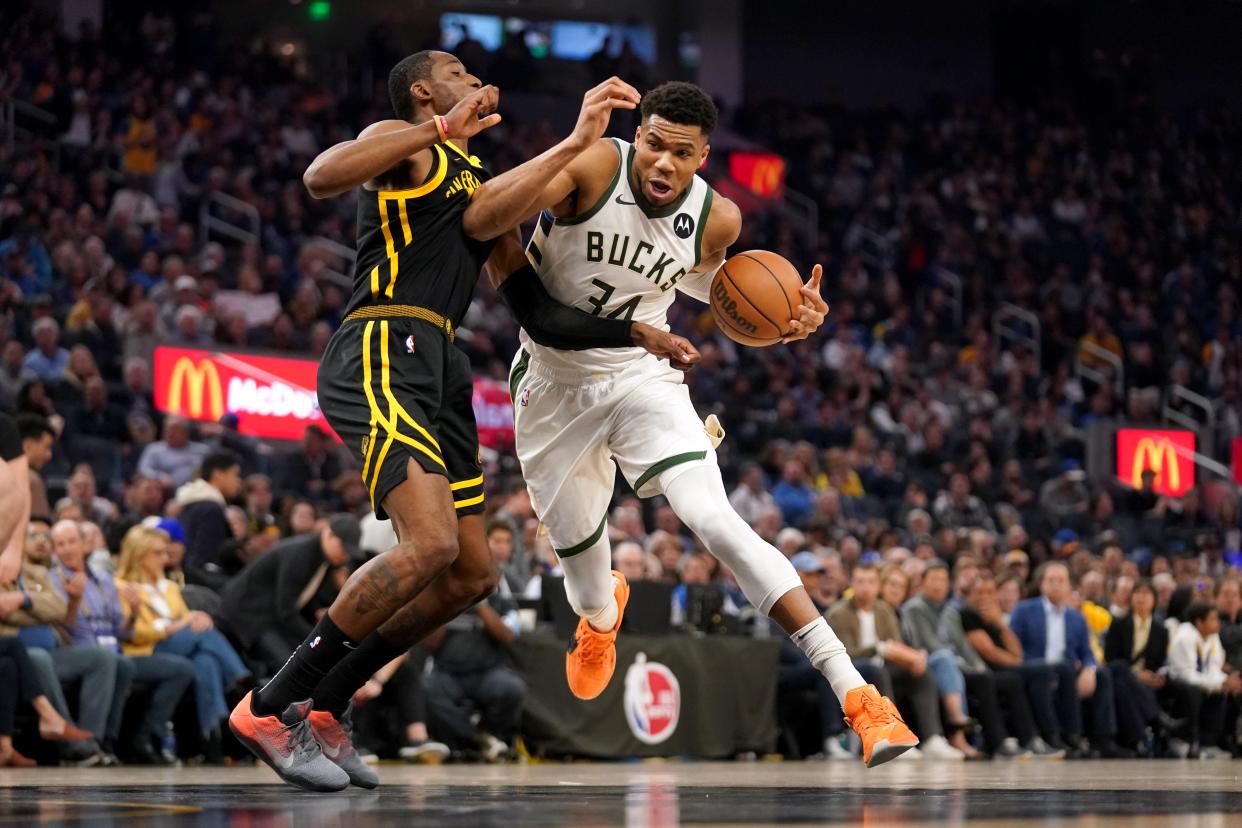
378	587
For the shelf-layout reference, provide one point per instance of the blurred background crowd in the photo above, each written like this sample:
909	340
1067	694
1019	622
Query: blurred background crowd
921	465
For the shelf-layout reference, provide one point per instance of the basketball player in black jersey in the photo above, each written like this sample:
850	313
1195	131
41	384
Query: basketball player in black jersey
397	391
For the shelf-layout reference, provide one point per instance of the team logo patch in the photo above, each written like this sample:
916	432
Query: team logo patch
683	226
409	344
366	441
652	700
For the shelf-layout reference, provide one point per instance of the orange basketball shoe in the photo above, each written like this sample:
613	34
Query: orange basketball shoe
592	655
876	721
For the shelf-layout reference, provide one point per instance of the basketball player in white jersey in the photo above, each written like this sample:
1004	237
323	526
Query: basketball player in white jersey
622	228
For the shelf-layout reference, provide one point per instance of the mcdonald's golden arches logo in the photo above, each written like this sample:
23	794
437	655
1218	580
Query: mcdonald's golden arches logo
195	388
1169	454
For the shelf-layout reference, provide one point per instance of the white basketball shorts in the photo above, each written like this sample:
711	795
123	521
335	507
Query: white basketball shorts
571	428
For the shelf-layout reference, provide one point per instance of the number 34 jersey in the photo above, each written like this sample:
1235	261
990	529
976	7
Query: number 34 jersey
620	259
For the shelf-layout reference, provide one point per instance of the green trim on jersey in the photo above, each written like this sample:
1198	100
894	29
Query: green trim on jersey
603	199
641	201
586	544
666	464
698	233
518	374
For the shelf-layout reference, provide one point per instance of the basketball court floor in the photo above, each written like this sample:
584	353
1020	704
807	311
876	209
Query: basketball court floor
1185	794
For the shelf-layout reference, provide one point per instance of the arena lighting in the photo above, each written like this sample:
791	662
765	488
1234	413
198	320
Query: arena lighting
319	10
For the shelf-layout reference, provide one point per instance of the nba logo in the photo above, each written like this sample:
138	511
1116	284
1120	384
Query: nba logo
409	344
652	700
315	643
525	398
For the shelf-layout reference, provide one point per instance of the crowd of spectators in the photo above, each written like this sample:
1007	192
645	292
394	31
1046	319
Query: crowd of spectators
910	443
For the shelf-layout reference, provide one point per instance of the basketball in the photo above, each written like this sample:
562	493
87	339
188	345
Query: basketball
754	295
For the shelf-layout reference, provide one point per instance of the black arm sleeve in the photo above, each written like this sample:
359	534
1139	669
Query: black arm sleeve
554	325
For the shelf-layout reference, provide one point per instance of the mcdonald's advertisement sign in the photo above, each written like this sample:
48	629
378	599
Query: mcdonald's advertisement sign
763	173
272	397
1168	453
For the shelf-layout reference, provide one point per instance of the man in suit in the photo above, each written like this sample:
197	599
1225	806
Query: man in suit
1135	648
271	605
1054	633
869	629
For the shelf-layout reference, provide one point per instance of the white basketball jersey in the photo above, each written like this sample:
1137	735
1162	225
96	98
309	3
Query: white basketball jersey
619	260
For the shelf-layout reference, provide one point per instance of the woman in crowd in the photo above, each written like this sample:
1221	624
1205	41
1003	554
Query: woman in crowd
18	685
165	625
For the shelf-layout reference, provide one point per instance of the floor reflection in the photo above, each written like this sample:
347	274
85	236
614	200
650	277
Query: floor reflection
654	802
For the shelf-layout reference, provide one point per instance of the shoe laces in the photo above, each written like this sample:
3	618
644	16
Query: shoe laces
300	739
592	649
876	710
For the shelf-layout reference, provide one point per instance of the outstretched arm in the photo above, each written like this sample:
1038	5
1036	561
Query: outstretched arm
383	145
503	202
554	325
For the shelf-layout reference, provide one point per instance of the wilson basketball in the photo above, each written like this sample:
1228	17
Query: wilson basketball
754	296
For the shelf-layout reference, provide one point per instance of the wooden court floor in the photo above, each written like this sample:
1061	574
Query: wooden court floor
1186	794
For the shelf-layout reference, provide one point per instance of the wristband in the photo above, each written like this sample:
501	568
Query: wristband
441	127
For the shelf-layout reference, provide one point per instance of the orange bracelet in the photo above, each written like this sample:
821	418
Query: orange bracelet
442	127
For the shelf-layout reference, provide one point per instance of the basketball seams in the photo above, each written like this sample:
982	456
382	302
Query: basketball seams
776	279
738	294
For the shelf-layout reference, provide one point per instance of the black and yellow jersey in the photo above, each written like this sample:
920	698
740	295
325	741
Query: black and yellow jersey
412	250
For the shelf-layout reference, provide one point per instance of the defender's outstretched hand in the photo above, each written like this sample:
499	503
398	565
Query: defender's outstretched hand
597	107
678	350
811	312
474	113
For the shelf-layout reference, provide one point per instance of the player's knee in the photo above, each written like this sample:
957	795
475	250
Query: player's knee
437	551
470	585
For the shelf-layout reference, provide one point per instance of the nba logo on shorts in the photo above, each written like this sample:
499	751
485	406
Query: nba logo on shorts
524	400
652	700
409	344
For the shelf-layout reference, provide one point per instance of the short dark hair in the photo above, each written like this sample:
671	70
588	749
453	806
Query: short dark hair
221	460
416	67
499	525
681	103
1198	611
1144	585
33	426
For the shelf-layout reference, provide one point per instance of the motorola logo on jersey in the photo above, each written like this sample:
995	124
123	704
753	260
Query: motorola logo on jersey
652	700
683	226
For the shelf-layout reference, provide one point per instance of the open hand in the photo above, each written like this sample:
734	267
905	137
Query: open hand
597	107
679	352
811	312
474	113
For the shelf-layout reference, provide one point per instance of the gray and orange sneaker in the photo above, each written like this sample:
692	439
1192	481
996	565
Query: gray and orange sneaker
287	745
335	738
875	719
592	655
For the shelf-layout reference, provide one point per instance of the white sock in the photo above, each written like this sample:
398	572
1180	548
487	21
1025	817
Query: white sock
827	653
590	587
605	619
